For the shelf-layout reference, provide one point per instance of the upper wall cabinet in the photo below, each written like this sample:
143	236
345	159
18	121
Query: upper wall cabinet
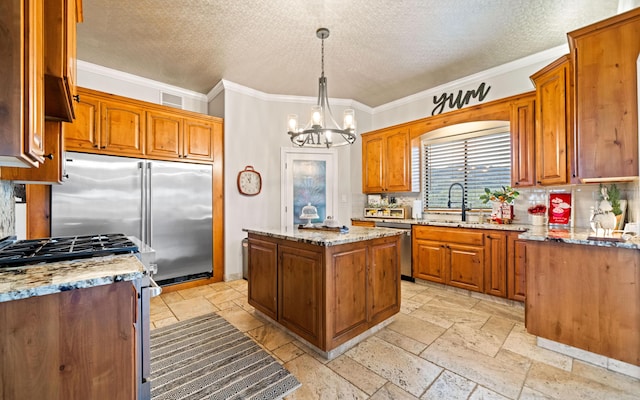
22	84
523	126
553	122
605	57
386	161
109	124
60	18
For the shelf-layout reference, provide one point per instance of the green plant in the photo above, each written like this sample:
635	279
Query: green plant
506	195
612	194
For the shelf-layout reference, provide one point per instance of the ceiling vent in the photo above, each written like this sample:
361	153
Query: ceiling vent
171	100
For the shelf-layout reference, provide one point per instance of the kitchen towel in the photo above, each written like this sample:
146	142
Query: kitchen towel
208	358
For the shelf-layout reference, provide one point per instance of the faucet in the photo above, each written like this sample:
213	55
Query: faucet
464	205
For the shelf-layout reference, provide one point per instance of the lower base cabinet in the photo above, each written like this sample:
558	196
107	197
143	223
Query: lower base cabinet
480	260
78	344
325	294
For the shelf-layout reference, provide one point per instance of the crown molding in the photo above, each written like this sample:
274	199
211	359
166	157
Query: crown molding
127	77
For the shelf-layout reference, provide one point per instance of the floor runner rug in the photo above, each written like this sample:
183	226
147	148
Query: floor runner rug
208	358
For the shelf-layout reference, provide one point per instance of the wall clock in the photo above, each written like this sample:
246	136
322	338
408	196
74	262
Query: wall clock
249	181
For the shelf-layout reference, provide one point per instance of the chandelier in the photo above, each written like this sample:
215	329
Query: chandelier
322	129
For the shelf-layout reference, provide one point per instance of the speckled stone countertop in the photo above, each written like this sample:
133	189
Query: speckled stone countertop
328	238
529	232
46	278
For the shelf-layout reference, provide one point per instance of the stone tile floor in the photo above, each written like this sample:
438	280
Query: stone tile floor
444	344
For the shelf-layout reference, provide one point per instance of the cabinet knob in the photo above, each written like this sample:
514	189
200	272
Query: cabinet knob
49	156
76	97
517	183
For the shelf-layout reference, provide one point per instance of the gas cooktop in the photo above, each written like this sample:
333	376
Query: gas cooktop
24	252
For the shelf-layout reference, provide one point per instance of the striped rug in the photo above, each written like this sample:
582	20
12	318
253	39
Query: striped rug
208	358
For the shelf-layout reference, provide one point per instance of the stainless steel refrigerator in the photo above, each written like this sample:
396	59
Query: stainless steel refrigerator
168	205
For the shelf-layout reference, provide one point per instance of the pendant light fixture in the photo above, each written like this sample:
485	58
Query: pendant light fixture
322	129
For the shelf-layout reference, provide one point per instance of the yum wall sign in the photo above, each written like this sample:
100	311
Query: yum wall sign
452	101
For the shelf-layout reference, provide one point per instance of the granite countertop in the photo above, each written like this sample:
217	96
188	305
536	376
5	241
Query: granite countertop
327	238
46	278
529	232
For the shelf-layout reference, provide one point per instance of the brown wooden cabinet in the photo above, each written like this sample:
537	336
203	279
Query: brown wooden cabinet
605	56
325	294
52	169
495	277
453	256
22	86
553	122
480	260
67	345
300	291
586	297
172	136
263	276
516	257
122	128
84	133
523	154
60	18
386	161
115	125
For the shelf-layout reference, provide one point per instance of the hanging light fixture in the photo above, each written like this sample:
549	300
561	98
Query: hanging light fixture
322	129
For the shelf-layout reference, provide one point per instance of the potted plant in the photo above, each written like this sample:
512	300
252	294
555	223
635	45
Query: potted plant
612	195
502	206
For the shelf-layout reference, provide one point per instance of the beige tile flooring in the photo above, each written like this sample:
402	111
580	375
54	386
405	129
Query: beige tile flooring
443	344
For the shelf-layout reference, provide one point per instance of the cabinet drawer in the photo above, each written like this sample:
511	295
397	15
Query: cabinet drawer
449	235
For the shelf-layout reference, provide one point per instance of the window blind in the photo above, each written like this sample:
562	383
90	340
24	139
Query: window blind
474	161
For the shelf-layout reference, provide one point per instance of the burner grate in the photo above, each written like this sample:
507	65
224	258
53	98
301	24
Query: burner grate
24	252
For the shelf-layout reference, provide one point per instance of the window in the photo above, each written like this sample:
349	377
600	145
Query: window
476	159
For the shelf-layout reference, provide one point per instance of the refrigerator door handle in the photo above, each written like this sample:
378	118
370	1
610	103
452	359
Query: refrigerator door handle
143	201
148	214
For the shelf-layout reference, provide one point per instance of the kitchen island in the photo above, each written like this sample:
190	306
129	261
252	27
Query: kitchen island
68	329
329	289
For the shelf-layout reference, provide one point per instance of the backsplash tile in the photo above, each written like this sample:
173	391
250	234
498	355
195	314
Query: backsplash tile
7	209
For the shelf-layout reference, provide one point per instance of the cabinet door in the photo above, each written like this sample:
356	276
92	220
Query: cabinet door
198	139
553	122
384	274
84	133
122	128
606	93
516	256
522	142
398	162
495	279
347	291
429	259
164	135
60	58
300	292
465	268
263	276
373	153
51	170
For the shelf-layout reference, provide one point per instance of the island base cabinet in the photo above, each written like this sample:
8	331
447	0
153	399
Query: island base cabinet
78	344
327	295
586	297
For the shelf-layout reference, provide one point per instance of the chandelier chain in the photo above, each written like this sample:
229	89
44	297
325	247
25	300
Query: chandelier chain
322	58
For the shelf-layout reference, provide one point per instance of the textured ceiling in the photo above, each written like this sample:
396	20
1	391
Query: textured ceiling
378	50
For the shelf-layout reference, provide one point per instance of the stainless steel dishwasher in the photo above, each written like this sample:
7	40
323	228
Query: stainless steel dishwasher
406	271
